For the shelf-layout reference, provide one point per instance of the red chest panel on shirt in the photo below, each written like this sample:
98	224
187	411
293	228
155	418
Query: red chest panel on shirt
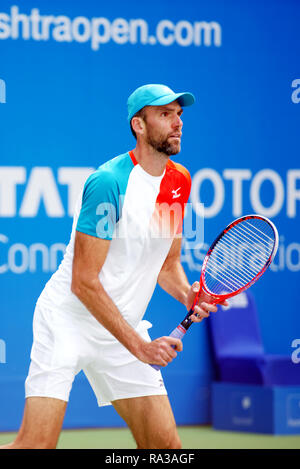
174	189
175	186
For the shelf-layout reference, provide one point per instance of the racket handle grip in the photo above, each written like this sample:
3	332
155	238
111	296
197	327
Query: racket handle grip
178	333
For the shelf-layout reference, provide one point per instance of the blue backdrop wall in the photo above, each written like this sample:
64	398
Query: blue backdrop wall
66	70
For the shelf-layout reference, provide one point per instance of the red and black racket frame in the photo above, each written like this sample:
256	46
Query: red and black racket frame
186	323
182	328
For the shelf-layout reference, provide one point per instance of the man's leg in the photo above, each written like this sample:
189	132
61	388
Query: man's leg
150	420
41	426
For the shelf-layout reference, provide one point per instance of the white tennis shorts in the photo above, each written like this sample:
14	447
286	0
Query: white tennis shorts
65	344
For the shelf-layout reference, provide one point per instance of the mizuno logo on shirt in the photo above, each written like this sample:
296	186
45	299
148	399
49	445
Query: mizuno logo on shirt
175	193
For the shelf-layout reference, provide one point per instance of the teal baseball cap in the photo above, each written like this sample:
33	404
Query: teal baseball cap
155	95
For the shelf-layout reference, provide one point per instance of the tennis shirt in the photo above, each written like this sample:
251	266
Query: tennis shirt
140	215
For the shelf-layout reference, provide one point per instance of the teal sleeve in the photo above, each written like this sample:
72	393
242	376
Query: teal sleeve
100	206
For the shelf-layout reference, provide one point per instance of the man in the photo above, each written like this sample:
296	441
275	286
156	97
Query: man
89	316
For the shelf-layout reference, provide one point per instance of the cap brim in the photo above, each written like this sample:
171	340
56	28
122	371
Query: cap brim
184	99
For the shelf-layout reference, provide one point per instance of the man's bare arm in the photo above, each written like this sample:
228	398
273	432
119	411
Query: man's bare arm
173	280
89	256
172	277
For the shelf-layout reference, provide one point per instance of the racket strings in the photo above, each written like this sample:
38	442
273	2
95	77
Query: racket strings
244	230
239	256
239	259
230	273
234	273
227	275
240	240
255	249
234	252
222	280
231	279
270	239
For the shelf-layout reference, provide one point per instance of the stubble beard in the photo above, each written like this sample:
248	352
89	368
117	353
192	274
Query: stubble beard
162	145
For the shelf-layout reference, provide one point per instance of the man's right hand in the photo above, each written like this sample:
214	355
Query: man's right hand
160	351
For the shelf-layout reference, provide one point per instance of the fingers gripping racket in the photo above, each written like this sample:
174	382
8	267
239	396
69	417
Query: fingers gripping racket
236	260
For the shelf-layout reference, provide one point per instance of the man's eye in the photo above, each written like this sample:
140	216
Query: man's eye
164	114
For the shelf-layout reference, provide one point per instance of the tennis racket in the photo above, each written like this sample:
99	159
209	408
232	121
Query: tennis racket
236	260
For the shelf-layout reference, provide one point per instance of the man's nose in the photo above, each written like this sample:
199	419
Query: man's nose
177	122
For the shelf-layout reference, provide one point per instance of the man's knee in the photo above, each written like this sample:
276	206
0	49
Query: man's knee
41	425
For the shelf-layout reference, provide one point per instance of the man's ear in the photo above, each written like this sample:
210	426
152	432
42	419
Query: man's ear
138	125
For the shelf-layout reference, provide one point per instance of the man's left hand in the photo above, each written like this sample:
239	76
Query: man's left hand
205	304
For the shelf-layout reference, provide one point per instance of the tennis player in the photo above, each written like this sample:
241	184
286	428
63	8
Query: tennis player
90	314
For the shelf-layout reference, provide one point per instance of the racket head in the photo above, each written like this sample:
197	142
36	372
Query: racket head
239	256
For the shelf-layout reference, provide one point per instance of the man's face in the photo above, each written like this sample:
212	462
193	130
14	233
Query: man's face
164	128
